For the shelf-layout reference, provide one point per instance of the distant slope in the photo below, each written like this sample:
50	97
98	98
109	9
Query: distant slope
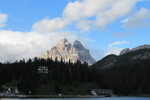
132	78
127	74
106	61
113	60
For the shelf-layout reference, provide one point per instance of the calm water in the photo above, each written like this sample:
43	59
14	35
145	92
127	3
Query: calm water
109	98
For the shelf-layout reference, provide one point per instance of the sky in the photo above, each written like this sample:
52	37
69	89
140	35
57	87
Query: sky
30	27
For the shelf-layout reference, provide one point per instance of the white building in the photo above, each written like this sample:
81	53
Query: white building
42	69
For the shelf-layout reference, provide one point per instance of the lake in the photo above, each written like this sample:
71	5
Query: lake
105	98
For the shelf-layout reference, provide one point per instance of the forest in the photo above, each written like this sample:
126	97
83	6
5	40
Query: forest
67	78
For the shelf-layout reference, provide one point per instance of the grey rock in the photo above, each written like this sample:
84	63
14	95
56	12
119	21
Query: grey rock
66	52
83	53
124	51
146	46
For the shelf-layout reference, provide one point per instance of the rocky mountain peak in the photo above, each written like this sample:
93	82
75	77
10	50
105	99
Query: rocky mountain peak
124	51
67	52
64	40
83	53
63	44
77	44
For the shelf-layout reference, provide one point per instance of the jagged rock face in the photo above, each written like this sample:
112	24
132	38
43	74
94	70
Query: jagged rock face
66	52
83	53
124	51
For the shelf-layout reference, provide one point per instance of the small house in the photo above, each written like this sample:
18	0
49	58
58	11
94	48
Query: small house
9	90
42	69
103	92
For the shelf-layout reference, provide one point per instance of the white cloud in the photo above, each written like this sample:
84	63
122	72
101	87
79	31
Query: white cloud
3	19
93	13
140	19
84	25
47	25
112	49
19	45
118	43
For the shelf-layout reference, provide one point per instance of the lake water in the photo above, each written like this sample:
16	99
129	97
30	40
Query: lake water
106	98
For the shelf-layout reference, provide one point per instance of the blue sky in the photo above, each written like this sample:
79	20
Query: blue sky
30	27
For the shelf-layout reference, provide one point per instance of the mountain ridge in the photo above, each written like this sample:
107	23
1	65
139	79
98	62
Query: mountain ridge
126	50
67	52
126	56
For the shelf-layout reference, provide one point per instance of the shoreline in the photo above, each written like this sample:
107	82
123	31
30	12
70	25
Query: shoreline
52	96
63	96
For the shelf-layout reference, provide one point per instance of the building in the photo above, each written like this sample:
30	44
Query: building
9	91
42	69
103	92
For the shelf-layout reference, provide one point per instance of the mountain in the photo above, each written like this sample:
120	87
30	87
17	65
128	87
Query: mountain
124	51
127	73
66	52
83	53
146	46
106	62
126	56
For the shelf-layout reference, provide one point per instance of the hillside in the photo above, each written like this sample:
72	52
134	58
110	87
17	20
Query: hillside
126	74
113	60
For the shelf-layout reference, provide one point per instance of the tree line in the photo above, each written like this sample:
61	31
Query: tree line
28	78
128	79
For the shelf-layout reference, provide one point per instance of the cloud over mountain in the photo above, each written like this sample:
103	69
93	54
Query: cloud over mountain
19	45
87	14
79	16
